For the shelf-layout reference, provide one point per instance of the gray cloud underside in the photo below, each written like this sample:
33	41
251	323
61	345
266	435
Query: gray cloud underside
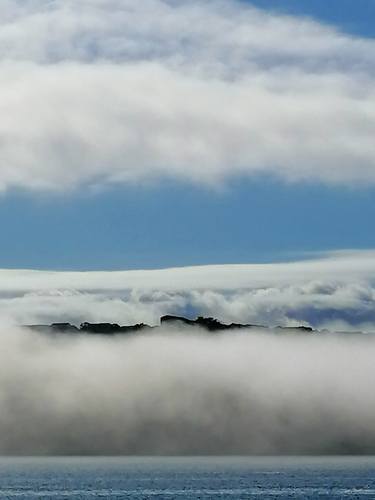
177	393
335	292
118	92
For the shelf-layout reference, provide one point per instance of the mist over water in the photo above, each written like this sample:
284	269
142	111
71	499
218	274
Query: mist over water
186	392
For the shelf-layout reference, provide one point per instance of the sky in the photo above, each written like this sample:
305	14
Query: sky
190	133
171	201
351	17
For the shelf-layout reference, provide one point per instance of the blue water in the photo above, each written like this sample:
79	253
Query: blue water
187	478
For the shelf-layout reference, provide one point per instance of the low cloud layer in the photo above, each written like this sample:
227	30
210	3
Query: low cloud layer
186	393
122	91
336	291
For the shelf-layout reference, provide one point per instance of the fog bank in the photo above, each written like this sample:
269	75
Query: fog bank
186	392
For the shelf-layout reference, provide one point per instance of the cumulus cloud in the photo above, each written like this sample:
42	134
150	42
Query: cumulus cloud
123	91
336	291
180	392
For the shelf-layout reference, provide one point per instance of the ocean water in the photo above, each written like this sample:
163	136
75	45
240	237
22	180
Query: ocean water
188	478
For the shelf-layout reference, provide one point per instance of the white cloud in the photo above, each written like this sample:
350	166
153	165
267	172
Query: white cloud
336	291
122	91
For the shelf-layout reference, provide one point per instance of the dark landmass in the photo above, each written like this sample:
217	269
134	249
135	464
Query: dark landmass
207	324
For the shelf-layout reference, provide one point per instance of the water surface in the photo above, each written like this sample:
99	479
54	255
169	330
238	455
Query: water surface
187	478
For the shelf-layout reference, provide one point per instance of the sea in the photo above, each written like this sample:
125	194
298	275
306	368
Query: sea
187	477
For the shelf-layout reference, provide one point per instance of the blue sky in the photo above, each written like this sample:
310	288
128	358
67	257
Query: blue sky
172	225
173	222
354	17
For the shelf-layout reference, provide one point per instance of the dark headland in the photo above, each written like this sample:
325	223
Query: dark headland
202	323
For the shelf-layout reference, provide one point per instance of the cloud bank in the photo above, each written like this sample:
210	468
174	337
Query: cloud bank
335	291
121	91
183	393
